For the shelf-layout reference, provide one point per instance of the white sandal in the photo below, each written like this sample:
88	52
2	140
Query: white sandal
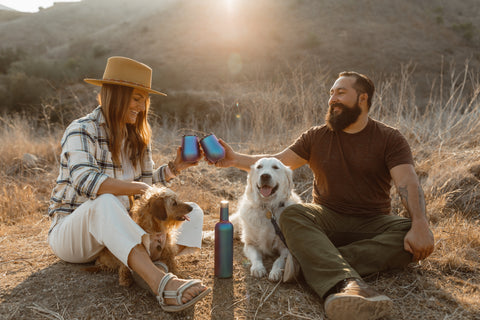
177	294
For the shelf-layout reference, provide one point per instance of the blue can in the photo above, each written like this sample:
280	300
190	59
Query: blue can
190	148
212	148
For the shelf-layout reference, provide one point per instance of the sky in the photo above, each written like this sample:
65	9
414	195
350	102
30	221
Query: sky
30	5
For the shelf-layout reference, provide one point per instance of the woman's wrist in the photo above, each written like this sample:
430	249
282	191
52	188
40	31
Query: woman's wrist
171	170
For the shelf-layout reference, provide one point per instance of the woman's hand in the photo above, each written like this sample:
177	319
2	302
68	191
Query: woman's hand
182	165
139	187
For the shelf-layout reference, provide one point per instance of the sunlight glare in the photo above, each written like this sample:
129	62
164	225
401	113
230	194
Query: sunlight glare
230	4
235	63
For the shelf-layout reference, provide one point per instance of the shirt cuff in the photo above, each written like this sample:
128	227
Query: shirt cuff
160	175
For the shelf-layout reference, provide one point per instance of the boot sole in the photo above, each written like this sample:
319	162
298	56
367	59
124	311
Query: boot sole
348	307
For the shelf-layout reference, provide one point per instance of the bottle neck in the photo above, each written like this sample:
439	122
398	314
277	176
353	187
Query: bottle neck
224	214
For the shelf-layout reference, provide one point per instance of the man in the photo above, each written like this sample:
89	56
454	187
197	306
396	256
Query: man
348	231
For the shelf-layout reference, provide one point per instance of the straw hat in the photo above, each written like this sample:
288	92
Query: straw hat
126	72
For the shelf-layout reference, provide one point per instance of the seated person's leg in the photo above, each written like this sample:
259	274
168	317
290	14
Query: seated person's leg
306	228
377	244
104	222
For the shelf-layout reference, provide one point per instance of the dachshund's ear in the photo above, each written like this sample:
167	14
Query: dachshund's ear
158	208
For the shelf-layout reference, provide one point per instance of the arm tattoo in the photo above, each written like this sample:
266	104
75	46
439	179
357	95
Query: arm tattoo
403	192
421	198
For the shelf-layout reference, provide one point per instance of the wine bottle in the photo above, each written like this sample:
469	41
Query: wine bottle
224	244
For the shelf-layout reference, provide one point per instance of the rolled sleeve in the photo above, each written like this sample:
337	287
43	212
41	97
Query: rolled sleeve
159	175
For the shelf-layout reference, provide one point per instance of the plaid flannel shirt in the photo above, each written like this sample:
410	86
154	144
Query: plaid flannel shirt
86	162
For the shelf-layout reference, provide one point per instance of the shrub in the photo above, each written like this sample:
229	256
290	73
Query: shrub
466	30
22	92
8	56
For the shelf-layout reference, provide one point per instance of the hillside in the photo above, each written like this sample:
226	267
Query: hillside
256	73
201	44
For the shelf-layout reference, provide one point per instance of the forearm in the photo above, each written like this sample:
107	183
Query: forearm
413	199
244	161
119	187
419	240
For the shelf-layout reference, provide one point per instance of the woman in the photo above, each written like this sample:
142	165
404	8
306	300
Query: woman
106	157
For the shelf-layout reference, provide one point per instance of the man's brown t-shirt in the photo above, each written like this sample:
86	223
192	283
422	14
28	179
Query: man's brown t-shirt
352	171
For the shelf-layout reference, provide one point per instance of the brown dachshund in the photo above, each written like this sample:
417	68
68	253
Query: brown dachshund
160	213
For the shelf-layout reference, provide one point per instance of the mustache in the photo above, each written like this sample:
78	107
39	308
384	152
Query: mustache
338	105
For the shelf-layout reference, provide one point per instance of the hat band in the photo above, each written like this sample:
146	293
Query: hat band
128	82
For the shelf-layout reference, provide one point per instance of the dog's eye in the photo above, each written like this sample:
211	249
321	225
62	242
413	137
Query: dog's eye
174	203
275	167
259	166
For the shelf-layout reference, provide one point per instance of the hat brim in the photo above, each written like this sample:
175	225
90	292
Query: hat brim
100	82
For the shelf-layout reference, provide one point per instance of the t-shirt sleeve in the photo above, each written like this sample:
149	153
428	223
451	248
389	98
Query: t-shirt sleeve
398	151
303	145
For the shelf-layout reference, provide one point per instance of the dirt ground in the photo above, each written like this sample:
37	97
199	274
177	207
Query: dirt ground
34	284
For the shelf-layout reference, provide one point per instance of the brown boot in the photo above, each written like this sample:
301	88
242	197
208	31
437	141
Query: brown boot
356	300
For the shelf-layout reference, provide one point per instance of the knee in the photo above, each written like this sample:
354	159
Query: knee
107	204
402	224
290	215
106	199
196	215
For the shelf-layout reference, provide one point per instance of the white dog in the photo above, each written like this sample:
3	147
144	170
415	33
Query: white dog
269	191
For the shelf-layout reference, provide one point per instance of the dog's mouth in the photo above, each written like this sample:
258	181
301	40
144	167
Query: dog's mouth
183	218
266	190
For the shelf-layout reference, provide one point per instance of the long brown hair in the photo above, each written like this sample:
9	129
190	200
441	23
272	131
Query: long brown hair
114	100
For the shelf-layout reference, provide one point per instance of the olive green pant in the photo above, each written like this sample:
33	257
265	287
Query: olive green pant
331	247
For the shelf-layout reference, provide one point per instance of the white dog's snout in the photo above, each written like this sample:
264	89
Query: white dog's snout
265	178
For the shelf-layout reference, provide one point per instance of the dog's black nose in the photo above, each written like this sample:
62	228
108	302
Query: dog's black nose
264	178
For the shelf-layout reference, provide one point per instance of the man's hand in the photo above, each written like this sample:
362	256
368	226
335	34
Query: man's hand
228	160
419	241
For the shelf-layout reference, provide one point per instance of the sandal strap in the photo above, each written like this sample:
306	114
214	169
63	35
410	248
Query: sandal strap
178	294
161	287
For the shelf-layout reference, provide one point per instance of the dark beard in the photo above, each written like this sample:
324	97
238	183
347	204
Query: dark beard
344	119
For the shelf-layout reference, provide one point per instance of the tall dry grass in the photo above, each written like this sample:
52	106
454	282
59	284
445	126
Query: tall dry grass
265	117
442	127
27	157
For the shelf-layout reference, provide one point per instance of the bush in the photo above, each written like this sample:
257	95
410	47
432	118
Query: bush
8	56
466	30
23	92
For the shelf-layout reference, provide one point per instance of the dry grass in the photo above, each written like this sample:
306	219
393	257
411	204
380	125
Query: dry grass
443	135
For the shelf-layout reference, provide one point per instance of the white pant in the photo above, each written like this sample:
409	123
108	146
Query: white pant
104	222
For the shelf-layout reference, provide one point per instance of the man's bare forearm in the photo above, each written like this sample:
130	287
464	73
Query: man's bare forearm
413	199
244	161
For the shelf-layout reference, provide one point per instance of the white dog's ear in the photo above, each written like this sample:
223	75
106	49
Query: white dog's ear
289	174
249	190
